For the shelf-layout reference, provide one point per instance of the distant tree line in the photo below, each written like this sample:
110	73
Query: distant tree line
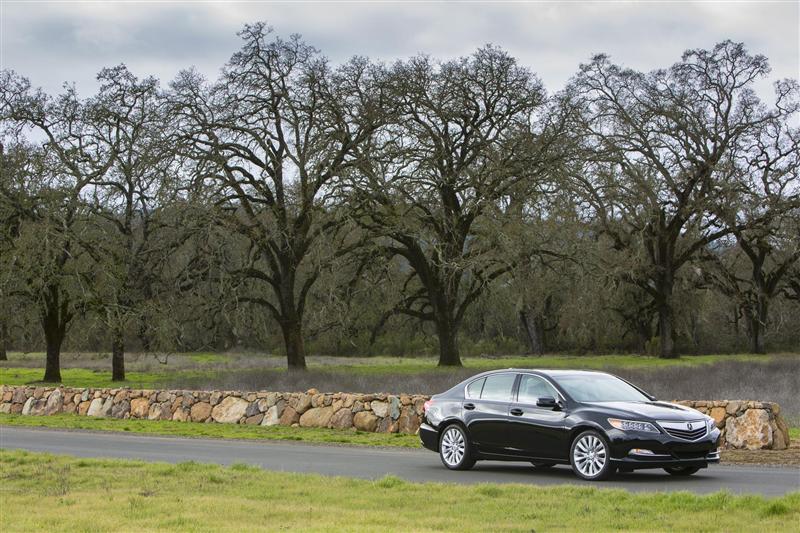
362	208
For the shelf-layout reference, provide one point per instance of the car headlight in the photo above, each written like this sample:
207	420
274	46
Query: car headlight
632	425
711	424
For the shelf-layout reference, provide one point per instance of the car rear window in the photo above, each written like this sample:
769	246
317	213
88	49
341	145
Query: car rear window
498	387
474	388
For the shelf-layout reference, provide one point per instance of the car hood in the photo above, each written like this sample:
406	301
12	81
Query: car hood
653	410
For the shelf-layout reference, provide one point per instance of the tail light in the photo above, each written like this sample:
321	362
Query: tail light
427	405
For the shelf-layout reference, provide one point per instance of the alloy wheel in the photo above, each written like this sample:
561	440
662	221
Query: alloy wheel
453	446
589	455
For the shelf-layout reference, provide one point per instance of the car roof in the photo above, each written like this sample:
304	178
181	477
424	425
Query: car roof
553	374
548	372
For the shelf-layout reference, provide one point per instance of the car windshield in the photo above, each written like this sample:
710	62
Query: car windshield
599	388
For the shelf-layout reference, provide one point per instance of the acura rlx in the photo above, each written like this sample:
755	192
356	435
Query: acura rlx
594	421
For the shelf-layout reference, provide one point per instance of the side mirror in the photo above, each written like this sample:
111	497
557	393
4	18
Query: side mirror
547	401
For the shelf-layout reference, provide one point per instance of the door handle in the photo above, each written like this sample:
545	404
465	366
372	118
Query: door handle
469	406
516	412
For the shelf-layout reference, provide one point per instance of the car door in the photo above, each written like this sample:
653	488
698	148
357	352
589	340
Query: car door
536	431
485	411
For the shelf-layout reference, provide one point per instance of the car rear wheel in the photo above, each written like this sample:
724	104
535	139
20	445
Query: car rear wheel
454	449
589	456
682	470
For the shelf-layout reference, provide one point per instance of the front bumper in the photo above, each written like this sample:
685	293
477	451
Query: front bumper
667	451
429	437
637	462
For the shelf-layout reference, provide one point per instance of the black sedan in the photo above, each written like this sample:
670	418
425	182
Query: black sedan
596	422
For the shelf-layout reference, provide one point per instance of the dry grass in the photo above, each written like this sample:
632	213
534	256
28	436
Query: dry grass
790	456
771	379
774	380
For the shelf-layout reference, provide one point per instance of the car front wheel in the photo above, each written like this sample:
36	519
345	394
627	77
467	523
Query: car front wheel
454	449
590	456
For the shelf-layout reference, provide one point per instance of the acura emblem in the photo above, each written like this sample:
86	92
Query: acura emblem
689	426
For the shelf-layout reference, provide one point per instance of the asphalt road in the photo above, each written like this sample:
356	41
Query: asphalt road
372	463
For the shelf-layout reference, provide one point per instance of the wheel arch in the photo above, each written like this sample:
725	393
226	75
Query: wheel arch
454	421
584	426
444	424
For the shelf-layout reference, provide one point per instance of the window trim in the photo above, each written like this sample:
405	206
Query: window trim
559	397
467	386
514	386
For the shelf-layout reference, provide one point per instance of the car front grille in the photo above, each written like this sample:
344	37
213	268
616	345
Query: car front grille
693	430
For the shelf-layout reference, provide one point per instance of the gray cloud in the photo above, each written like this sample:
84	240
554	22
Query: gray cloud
54	42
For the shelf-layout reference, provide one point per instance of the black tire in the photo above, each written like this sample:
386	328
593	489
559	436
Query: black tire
542	465
590	456
681	470
454	448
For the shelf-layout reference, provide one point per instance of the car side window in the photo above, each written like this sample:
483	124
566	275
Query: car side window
498	387
474	388
531	388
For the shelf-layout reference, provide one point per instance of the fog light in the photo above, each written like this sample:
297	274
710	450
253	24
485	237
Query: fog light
640	451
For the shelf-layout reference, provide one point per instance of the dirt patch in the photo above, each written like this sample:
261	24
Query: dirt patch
790	456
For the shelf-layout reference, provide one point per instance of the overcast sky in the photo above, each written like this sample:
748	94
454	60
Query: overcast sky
53	42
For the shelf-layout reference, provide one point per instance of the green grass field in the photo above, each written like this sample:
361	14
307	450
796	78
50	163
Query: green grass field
227	431
206	365
78	377
41	492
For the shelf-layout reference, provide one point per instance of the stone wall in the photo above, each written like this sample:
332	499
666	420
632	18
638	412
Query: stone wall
745	424
383	413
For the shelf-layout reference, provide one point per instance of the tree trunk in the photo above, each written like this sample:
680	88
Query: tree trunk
293	340
448	343
534	332
695	325
665	283
144	335
665	331
54	336
756	338
3	340
757	321
118	357
643	335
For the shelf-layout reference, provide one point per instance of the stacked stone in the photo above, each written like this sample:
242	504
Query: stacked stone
748	425
744	424
382	413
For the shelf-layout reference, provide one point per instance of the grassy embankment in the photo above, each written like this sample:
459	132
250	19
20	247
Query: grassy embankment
208	365
223	431
41	492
